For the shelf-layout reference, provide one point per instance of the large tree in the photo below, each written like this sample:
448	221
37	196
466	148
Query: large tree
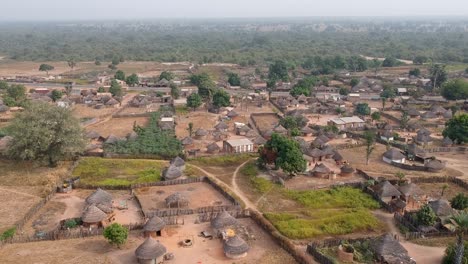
194	101
457	128
116	234
132	79
175	91
438	75
115	88
455	90
426	216
119	75
17	92
278	71
221	99
204	83
363	109
166	75
46	68
46	133
71	63
234	79
286	154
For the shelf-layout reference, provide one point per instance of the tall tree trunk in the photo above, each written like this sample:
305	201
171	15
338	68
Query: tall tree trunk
460	249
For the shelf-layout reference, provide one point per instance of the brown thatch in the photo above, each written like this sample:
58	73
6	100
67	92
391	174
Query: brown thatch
448	114
259	140
280	129
235	246
347	169
435	165
441	207
150	249
321	168
99	197
232	114
389	250
112	101
111	139
328	151
4	142
178	162
337	156
92	214
428	115
176	200
187	141
154	224
221	126
93	135
132	136
410	189
268	133
437	109
316	153
222	220
307	130
213	147
318	143
323	138
386	189
201	132
393	154
413	112
172	172
447	142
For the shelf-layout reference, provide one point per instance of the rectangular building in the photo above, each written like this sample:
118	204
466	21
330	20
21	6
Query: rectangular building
241	145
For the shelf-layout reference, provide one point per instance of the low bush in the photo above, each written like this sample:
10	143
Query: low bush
8	234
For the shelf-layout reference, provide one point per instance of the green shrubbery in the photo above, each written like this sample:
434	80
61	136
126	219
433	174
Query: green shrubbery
262	185
8	234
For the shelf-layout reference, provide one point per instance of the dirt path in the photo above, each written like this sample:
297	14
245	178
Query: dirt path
421	254
20	193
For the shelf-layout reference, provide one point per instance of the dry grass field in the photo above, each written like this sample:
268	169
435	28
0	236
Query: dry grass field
119	127
82	111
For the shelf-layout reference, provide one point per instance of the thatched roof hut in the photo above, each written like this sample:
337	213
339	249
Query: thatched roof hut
201	132
223	220
178	162
437	109
389	250
4	142
441	207
235	247
213	148
347	170
413	112
268	133
221	126
337	157
328	151
318	143
187	141
434	165
316	153
428	115
307	130
111	139
323	138
93	215
259	140
320	170
280	129
385	190
176	200
410	189
4	108
154	226
447	142
448	114
132	136
172	172
232	114
99	197
150	251
393	155
112	102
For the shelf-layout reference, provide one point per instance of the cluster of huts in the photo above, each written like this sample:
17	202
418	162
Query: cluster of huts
395	156
145	100
98	211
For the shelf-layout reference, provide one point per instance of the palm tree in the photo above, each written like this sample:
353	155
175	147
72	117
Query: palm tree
460	225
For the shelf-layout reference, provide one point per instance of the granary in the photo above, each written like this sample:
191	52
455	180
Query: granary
93	216
393	155
176	200
172	172
235	247
386	191
434	165
223	221
213	148
221	126
178	162
346	170
344	123
388	250
321	171
150	251
240	145
100	197
201	133
154	227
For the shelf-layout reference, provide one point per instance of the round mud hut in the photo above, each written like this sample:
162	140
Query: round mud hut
176	200
93	216
201	133
172	173
100	197
213	148
154	227
235	247
321	171
434	165
178	162
223	220
393	155
347	170
150	251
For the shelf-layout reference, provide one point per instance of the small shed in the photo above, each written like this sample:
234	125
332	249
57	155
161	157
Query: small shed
150	251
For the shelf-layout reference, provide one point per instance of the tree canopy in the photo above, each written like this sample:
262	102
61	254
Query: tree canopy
426	216
204	83
234	79
287	154
415	72
119	75
56	95
457	128
363	109
304	86
194	101
115	88
221	98
46	68
46	133
132	79
116	234
166	75
438	74
455	90
278	71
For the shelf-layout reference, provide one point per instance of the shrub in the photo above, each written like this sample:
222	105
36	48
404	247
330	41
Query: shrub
71	223
451	251
8	234
459	202
426	216
116	234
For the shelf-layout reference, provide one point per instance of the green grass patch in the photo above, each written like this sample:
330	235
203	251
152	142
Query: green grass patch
9	233
182	110
99	171
228	160
191	171
261	185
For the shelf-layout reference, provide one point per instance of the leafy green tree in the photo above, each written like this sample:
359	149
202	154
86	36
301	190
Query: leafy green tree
401	176
194	101
56	95
375	116
17	92
354	82
460	223
388	93
115	88
166	75
404	120
375	64
175	91
415	72
234	79
116	234
287	153
419	60
3	85
455	90
291	122
438	75
344	91
363	109
205	85
369	138
221	98
101	90
46	68
459	202
304	86
298	90
426	216
119	75
71	63
466	71
47	133
457	128
115	61
357	64
390	62
132	80
68	88
278	71
97	62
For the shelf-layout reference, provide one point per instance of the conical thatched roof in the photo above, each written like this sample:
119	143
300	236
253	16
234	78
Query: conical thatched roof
328	150
213	147
268	133
112	101
307	130
154	224
99	197
172	172
251	133
337	156
347	169
393	154
280	129
187	141
441	207
244	129
447	142
4	142
435	165
411	189
428	115
106	208
111	139
413	112
92	214
221	126
222	220
3	108
415	150
437	109
387	246
260	140
386	189
235	246
232	113
201	132
448	114
315	153
176	198
318	143
323	138
321	168
178	161
150	249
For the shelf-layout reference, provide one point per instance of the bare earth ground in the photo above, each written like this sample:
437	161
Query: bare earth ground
434	190
266	122
83	111
456	161
199	194
119	127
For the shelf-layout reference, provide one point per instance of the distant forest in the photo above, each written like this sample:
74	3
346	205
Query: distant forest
246	42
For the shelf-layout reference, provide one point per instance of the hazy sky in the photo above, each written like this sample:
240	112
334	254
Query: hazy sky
147	9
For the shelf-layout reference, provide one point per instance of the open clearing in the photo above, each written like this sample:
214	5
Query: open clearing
434	190
98	171
82	111
119	127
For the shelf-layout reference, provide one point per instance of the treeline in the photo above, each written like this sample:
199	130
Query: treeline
245	43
